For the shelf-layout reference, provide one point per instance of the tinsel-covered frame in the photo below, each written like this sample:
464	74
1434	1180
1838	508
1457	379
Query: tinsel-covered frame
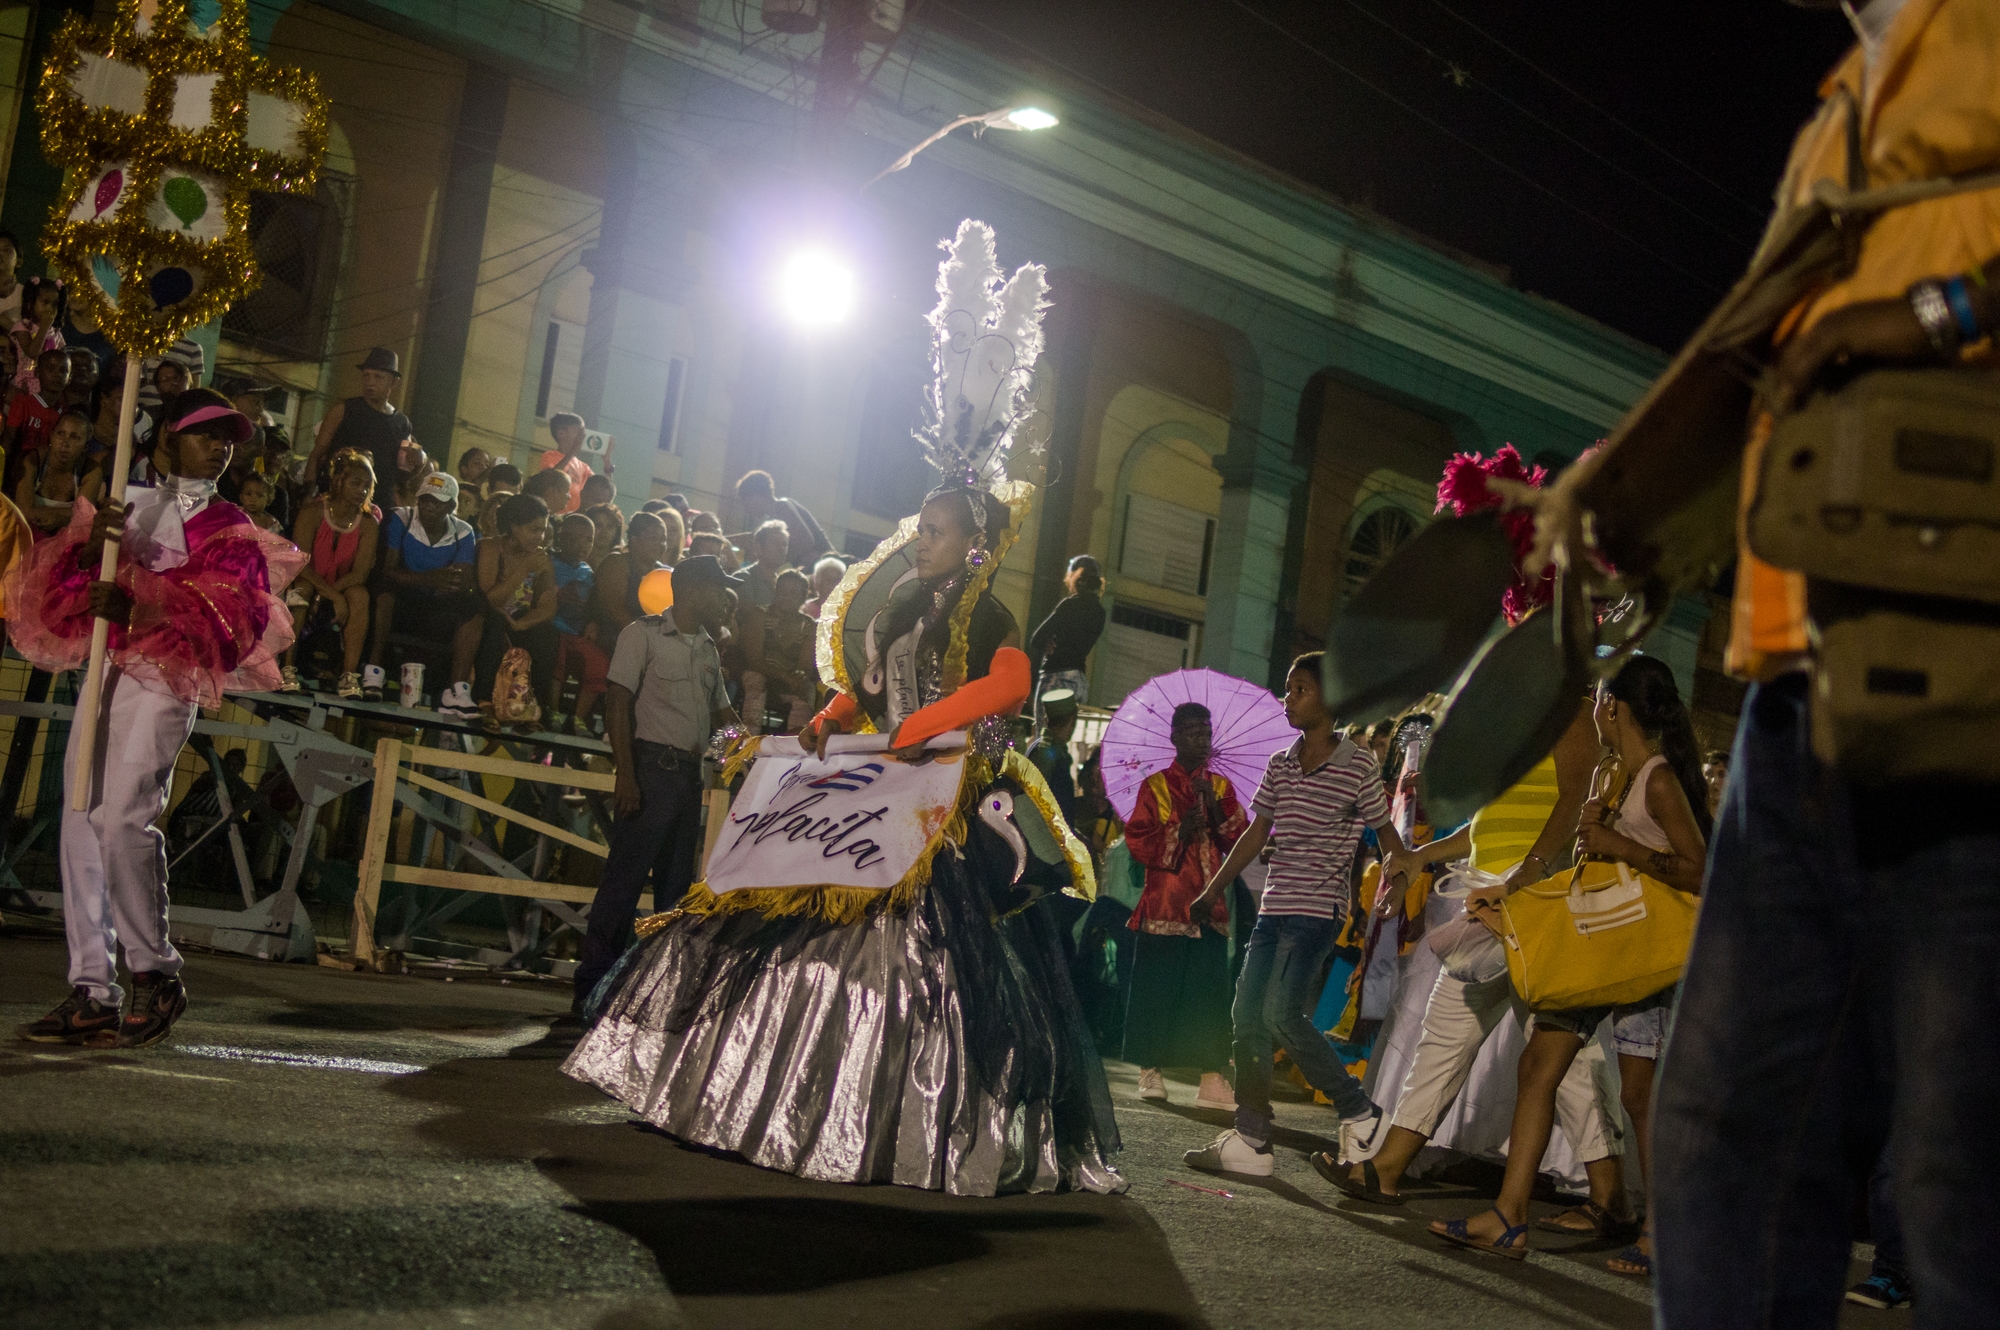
155	35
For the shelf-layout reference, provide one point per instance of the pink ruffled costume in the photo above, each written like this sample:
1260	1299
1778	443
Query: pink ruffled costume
206	616
216	622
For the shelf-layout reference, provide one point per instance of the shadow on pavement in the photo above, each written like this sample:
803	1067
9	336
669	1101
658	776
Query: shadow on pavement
744	1247
775	1245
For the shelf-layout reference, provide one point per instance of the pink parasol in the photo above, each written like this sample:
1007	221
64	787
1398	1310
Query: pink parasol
1248	721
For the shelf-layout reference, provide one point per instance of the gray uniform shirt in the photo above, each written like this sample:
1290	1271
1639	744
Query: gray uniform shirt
675	679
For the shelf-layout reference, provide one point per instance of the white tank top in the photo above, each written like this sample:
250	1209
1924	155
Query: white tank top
1635	821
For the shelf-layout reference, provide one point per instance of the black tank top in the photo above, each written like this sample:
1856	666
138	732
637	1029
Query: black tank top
380	434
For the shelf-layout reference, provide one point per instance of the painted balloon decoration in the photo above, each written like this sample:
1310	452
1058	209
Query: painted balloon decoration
109	186
170	286
185	199
164	121
106	274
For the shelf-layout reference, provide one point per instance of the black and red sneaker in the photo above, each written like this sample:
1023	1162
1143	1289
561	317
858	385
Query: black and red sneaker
157	1002
76	1019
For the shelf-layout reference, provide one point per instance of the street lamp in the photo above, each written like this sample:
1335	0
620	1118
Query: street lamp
815	289
1009	117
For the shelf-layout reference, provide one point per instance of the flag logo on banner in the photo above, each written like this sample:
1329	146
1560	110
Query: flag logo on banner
851	781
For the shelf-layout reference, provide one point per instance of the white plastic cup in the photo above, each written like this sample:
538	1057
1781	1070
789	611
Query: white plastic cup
413	683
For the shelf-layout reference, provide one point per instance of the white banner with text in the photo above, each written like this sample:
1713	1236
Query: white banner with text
858	819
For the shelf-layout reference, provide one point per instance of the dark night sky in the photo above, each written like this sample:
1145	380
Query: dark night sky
1462	141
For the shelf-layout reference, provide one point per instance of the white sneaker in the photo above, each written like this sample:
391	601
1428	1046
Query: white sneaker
1152	1085
1230	1153
457	702
1361	1137
372	679
1215	1092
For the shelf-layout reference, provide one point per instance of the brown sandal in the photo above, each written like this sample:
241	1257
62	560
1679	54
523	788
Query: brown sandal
1604	1226
1370	1189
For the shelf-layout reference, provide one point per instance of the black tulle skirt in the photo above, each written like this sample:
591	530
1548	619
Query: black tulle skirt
939	1046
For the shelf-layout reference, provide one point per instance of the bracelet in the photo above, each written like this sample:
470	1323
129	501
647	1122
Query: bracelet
1934	315
1538	859
1959	296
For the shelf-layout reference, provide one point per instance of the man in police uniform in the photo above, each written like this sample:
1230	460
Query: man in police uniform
1050	755
665	700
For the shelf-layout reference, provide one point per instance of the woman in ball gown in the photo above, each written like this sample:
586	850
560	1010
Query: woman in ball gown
927	1035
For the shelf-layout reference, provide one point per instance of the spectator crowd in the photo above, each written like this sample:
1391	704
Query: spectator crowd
411	562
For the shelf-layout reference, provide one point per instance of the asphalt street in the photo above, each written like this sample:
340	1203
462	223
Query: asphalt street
320	1150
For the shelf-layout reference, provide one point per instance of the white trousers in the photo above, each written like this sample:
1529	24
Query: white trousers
114	860
1457	1020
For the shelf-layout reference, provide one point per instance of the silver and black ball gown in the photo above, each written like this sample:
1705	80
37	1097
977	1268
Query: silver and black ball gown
939	1046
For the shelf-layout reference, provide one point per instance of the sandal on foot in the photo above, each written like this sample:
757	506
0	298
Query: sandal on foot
1512	1242
1641	1262
1603	1225
1369	1189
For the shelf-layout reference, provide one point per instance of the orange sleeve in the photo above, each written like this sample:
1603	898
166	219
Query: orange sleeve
842	707
1000	693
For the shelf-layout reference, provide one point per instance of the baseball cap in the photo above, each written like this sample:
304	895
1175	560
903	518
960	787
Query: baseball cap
701	571
439	485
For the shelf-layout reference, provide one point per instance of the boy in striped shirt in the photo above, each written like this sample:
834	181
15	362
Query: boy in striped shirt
1316	797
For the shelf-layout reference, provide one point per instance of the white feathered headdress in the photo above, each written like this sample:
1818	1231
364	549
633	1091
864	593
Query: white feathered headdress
986	335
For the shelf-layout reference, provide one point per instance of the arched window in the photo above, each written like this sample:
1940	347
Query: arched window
1378	536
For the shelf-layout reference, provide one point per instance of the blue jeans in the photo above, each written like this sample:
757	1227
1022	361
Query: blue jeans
661	841
1840	994
1274	1001
1885	1226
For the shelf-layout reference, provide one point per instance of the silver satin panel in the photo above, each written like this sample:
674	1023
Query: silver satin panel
845	1061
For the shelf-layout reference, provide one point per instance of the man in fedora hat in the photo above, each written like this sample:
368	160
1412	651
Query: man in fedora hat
369	422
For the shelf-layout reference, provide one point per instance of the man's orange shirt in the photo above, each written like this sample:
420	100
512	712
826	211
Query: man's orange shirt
1930	108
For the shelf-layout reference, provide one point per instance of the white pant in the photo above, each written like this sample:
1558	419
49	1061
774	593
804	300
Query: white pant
114	861
1456	1022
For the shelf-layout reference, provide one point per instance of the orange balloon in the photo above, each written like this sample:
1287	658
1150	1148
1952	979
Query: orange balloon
656	591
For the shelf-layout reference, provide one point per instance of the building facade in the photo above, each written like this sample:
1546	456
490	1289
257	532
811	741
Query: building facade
546	205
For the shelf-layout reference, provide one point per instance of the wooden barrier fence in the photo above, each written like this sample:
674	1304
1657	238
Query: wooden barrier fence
399	780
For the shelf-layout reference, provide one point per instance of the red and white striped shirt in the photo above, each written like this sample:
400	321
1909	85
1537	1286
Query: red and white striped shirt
1317	818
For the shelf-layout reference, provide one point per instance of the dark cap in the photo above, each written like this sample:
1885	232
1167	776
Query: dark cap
703	570
382	358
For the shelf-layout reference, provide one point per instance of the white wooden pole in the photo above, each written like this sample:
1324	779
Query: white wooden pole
88	706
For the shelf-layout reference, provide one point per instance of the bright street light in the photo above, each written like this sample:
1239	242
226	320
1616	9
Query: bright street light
815	289
1026	117
1007	117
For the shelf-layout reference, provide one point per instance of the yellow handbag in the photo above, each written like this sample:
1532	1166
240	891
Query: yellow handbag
1606	934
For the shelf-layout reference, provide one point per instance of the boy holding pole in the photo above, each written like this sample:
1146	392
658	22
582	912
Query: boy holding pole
194	608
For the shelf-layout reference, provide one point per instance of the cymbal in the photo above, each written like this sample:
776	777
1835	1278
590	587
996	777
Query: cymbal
1505	714
1410	628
